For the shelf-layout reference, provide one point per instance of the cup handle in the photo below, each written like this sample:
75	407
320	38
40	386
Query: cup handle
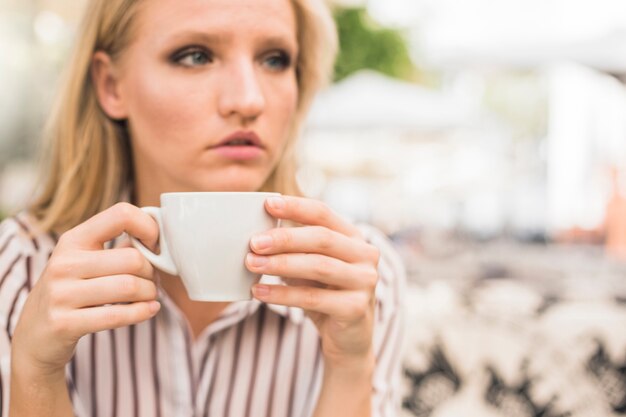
163	261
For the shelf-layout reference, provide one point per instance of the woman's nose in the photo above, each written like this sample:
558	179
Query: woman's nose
241	93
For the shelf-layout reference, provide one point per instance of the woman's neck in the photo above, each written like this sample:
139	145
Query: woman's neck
199	314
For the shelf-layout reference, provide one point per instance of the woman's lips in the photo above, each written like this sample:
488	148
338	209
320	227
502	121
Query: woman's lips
240	153
243	137
240	145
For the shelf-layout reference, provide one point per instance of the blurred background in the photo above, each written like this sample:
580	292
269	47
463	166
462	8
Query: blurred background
487	139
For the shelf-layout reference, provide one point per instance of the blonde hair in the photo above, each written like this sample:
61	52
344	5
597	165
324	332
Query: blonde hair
88	164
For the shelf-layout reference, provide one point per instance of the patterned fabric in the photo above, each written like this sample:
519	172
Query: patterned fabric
254	360
501	348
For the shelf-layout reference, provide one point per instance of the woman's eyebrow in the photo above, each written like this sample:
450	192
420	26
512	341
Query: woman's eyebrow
216	39
202	37
278	42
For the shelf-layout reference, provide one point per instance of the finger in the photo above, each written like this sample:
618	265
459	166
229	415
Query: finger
103	290
104	226
90	264
312	239
320	268
309	212
342	305
96	319
298	282
123	242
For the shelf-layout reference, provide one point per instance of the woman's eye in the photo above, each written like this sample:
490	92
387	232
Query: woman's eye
192	58
277	61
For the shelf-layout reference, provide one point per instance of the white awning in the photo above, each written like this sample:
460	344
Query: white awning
370	100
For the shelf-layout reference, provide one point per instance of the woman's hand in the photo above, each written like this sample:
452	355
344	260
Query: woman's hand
79	290
331	271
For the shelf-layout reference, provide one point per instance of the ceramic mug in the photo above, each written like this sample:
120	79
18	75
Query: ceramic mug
204	238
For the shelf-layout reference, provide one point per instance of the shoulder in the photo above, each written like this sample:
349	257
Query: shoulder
24	253
21	243
21	232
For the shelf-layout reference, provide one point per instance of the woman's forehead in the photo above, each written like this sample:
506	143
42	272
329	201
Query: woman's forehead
222	20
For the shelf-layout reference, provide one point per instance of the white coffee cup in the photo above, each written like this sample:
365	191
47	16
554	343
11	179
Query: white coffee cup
205	237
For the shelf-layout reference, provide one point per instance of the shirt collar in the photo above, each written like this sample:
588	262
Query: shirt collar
237	310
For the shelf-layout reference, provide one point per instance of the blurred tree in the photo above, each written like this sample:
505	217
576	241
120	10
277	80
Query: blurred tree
364	44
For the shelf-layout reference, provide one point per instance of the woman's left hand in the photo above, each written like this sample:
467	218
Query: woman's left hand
331	271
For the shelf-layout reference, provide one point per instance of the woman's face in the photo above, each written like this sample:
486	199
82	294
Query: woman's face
198	72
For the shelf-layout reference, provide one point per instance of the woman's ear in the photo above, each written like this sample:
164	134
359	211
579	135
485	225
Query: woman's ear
107	86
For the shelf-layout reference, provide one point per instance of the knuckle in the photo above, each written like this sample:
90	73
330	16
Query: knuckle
128	286
311	299
358	234
283	238
359	305
56	295
375	254
323	268
373	279
136	261
123	210
324	212
325	238
62	266
65	238
113	317
58	323
152	291
370	276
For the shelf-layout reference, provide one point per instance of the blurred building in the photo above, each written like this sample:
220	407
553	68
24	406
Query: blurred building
397	154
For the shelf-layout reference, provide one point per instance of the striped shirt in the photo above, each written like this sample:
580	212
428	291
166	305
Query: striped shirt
255	360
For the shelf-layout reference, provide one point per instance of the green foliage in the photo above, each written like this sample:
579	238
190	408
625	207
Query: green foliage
367	45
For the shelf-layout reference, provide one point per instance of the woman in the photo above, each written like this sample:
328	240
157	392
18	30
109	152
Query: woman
152	90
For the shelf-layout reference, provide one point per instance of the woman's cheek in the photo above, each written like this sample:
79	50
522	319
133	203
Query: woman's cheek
165	109
287	105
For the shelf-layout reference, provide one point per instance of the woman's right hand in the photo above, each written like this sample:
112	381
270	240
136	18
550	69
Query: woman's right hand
82	285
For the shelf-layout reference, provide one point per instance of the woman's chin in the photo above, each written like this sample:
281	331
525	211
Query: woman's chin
232	187
234	179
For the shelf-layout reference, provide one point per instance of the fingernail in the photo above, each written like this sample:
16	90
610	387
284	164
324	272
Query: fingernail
261	291
261	241
277	203
255	260
154	306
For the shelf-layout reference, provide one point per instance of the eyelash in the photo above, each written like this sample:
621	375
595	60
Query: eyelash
177	57
283	57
